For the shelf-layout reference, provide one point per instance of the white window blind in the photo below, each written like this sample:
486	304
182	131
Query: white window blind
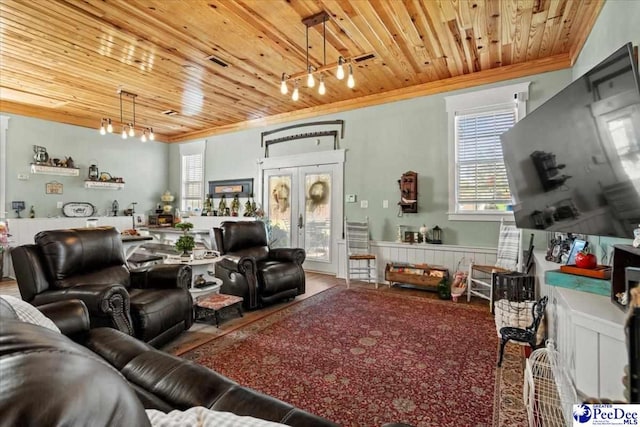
192	182
481	183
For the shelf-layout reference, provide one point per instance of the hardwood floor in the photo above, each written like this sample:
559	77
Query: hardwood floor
201	333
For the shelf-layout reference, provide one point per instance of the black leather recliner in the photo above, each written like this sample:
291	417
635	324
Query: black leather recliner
153	304
48	380
250	269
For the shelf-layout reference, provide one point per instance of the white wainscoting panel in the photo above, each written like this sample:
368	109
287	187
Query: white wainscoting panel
450	256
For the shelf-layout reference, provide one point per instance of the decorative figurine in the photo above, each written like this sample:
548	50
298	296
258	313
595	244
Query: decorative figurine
114	207
250	207
222	206
167	198
32	212
235	206
423	231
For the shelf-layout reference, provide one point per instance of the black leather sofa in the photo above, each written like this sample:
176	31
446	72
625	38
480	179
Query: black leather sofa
153	303
249	268
108	378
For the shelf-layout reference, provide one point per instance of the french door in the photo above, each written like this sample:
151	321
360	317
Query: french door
304	207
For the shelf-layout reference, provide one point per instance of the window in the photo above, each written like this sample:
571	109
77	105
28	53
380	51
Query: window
192	177
481	177
479	189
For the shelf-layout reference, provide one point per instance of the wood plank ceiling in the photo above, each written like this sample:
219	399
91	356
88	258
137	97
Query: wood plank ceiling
64	60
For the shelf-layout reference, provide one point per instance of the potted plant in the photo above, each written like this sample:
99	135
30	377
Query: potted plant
186	242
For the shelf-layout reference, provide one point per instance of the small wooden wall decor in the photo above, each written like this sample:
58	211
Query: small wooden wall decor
408	192
53	187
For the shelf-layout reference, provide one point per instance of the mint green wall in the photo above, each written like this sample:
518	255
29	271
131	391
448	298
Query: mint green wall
142	165
382	142
617	24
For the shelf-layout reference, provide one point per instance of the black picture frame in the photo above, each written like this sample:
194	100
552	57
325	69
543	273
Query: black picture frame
231	187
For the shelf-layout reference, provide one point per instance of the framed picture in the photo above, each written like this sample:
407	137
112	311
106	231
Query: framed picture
409	237
231	187
53	187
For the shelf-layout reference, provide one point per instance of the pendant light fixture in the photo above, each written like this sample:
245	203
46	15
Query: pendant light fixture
296	94
340	70
350	81
128	128
311	70
124	131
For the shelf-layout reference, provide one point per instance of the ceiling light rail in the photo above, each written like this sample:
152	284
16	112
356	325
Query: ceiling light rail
311	71
128	129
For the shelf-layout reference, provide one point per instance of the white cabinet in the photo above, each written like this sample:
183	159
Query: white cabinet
589	334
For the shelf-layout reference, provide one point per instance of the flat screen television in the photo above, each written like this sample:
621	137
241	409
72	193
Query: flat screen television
573	163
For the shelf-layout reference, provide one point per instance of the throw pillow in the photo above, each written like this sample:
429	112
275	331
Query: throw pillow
28	313
199	416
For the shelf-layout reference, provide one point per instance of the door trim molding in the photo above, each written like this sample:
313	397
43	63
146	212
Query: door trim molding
333	157
307	159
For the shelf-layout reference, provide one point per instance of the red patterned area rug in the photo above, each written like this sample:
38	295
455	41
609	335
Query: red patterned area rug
362	357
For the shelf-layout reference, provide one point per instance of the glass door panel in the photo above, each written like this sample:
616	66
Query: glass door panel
317	229
278	196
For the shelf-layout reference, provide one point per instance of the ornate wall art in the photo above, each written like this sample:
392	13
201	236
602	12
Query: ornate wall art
231	187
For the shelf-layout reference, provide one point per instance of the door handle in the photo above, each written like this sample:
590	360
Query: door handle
300	223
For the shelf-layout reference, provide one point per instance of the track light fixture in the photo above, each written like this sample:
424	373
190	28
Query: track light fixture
129	128
311	70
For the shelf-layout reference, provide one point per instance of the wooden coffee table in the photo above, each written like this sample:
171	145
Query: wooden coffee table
213	304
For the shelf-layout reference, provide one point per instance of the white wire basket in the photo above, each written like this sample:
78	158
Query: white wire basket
548	392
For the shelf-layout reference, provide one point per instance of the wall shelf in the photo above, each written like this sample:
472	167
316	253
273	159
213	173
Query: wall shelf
104	185
54	170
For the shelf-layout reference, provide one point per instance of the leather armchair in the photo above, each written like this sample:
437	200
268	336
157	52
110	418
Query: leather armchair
153	303
250	269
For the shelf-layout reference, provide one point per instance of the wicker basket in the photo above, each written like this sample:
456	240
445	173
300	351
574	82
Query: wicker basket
514	296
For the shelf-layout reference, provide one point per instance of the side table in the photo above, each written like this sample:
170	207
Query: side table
213	304
198	266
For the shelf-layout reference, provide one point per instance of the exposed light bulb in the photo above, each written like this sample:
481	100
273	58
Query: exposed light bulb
103	131
143	138
295	95
350	81
152	137
311	82
124	133
109	126
283	85
132	132
321	88
340	70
